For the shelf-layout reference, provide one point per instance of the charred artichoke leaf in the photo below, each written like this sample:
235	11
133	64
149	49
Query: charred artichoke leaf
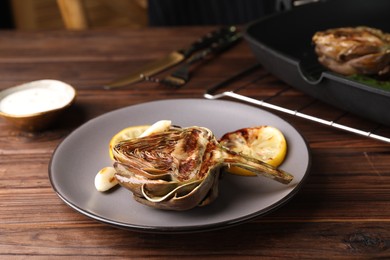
131	179
184	201
180	191
179	169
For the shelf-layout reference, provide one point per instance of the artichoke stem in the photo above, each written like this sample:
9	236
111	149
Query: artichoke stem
256	166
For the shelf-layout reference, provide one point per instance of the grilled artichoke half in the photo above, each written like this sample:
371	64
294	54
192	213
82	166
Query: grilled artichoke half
179	169
354	50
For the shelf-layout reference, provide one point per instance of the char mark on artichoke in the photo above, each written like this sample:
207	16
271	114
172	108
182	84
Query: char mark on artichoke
179	169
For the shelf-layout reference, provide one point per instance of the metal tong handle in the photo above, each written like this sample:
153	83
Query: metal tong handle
212	93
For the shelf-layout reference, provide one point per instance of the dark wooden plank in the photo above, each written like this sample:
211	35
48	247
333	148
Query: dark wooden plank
341	212
358	240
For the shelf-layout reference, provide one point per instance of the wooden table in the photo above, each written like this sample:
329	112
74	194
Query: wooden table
342	211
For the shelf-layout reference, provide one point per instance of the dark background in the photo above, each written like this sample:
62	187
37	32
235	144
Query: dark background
188	12
6	21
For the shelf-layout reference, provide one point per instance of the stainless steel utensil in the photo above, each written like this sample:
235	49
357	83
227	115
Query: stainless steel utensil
173	58
181	75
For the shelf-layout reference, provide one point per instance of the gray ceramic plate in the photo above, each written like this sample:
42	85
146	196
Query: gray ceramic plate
84	152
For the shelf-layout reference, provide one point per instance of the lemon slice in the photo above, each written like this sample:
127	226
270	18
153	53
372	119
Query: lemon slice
138	131
265	143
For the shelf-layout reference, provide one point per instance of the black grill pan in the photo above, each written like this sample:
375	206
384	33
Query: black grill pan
282	44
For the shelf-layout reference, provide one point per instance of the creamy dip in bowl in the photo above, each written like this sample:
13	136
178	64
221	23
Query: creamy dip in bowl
34	105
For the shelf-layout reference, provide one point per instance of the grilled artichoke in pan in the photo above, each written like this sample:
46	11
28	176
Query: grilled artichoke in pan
179	169
354	50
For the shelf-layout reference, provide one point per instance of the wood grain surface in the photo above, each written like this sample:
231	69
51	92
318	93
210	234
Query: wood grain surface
342	211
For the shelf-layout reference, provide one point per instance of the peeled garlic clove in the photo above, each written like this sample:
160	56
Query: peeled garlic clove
105	179
159	126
